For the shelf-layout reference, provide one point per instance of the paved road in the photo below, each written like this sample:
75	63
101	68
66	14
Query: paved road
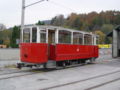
104	75
77	78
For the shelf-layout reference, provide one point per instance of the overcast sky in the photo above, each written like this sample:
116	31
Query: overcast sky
10	10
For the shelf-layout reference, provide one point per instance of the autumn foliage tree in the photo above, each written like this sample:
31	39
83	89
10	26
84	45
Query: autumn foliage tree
104	21
5	36
101	36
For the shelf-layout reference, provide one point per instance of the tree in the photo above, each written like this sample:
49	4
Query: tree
58	20
108	40
107	28
7	42
40	23
5	36
71	19
15	36
77	24
101	36
105	21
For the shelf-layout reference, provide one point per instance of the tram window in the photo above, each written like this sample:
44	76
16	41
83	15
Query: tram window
26	35
43	36
77	38
87	39
34	34
64	36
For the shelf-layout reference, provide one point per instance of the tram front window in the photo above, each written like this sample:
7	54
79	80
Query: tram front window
26	35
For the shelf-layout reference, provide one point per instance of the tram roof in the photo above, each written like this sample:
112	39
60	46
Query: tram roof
57	27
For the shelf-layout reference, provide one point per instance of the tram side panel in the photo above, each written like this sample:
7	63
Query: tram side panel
96	51
34	52
70	52
52	52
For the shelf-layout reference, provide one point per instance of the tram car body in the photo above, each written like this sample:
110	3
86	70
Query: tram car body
41	44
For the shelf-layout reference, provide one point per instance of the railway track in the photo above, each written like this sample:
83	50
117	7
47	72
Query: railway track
91	78
15	74
37	71
97	86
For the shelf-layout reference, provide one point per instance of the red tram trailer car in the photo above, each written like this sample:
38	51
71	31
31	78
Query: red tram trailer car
64	47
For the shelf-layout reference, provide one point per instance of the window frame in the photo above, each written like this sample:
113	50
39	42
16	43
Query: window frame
87	39
59	36
81	35
32	34
43	33
29	35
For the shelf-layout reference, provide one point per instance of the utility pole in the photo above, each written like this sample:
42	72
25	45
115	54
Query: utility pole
23	14
22	20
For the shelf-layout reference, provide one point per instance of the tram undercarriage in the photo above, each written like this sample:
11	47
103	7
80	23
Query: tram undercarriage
58	64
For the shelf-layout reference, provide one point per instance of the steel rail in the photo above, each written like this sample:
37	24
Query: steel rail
83	80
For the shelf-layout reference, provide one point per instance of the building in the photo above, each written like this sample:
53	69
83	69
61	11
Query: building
2	27
115	34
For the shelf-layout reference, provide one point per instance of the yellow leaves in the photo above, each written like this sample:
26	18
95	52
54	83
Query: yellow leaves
101	36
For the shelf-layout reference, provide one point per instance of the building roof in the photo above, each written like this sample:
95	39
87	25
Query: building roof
111	33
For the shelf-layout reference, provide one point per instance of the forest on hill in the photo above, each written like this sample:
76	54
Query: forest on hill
88	22
100	23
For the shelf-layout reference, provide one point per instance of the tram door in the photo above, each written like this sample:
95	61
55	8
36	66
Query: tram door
51	39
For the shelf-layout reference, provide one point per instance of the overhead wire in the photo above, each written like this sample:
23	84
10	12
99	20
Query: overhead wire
61	5
35	3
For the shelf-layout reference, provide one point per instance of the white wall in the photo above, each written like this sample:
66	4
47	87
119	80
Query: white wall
9	54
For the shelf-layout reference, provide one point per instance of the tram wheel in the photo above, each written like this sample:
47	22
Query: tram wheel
83	62
45	65
78	62
64	64
59	63
92	60
19	66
